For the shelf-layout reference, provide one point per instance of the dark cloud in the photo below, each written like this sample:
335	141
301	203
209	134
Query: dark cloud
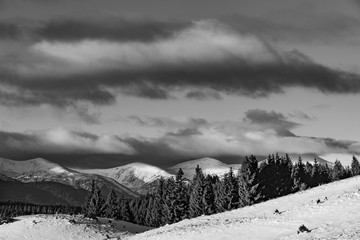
201	95
60	141
117	29
337	144
306	24
147	89
9	30
185	132
167	122
198	64
262	117
301	115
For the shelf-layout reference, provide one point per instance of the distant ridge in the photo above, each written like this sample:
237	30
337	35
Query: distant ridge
42	170
136	176
208	165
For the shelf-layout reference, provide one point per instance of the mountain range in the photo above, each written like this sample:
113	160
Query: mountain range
41	176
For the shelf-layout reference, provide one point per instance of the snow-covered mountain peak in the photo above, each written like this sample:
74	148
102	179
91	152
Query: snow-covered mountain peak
134	175
28	166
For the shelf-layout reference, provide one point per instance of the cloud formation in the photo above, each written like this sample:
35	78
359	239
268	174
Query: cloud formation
204	59
61	141
261	133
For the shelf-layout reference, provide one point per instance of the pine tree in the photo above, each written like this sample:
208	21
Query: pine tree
248	182
299	175
231	190
95	206
169	199
159	210
181	198
196	205
355	166
111	205
209	196
315	174
220	195
125	212
338	171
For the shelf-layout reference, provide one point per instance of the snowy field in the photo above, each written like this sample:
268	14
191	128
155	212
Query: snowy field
59	227
338	217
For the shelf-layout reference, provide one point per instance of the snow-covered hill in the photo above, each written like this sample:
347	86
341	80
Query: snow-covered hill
208	165
136	176
337	216
11	167
65	227
40	170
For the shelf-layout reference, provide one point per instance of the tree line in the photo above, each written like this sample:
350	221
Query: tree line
12	209
175	199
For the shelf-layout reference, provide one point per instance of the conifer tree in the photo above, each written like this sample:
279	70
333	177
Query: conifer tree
315	174
231	190
111	210
220	195
196	204
209	196
248	181
181	198
299	175
125	212
355	166
169	199
338	171
159	210
96	204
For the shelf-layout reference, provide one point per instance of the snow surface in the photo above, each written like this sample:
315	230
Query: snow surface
133	175
338	217
40	169
58	227
209	166
28	166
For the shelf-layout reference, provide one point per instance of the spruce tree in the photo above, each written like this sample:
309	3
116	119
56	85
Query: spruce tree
315	174
159	209
299	176
96	204
355	166
209	196
220	195
111	205
196	204
248	182
181	198
338	171
125	211
231	190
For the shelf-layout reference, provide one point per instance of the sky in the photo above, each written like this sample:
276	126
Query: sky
105	83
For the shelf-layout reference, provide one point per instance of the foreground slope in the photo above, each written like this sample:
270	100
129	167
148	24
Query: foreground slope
61	227
338	217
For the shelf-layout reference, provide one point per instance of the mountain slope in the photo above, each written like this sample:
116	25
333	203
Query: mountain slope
208	166
136	176
336	217
48	193
40	170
